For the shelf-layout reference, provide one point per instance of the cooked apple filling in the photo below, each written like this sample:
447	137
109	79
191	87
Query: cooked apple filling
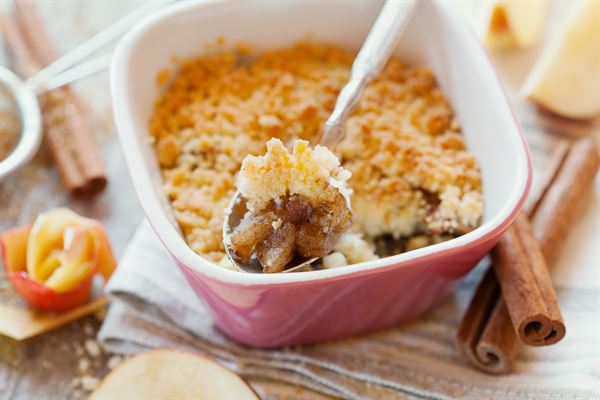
297	205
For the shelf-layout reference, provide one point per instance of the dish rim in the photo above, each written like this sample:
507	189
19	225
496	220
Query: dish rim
184	255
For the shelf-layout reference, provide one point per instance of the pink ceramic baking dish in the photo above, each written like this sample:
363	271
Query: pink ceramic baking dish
269	310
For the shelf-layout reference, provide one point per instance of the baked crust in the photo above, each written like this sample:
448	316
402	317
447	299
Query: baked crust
411	172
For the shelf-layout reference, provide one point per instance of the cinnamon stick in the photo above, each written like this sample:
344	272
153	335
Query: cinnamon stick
486	336
489	356
67	135
526	286
498	341
32	28
553	166
24	62
565	197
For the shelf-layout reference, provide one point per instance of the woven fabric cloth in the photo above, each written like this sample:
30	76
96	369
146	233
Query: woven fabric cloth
153	306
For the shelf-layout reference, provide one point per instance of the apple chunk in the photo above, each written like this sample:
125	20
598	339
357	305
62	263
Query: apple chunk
171	374
566	78
515	23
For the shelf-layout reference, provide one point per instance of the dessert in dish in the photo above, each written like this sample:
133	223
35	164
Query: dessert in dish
413	181
312	174
298	204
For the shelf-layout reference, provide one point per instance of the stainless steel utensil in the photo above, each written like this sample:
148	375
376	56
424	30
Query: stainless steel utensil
373	55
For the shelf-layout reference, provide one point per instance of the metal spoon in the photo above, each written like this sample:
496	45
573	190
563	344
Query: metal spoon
373	55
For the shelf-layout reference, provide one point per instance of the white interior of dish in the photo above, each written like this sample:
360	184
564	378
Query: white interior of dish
436	37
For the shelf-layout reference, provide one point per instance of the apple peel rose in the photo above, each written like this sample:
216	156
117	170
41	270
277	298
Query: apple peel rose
52	263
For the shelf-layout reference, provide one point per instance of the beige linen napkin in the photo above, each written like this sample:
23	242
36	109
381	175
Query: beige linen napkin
152	306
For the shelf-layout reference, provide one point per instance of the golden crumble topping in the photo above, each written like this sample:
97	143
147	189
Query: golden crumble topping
411	173
298	204
314	173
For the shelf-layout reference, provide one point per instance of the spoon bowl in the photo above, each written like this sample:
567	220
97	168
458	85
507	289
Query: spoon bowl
234	214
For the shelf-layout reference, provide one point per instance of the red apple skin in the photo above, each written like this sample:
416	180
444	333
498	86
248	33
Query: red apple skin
13	244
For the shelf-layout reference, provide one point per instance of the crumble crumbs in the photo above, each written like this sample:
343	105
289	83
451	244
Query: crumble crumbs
314	173
411	172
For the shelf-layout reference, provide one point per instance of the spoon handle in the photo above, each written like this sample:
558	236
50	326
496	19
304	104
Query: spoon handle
373	55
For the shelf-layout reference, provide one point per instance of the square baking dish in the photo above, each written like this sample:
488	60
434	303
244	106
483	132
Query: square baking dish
271	310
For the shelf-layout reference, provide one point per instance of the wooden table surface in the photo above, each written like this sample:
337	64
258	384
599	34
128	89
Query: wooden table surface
44	367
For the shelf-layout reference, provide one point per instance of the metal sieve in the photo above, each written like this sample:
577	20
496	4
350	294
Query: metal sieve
21	96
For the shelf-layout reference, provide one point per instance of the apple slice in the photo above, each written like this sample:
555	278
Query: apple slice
52	264
171	374
515	23
45	236
75	261
566	78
